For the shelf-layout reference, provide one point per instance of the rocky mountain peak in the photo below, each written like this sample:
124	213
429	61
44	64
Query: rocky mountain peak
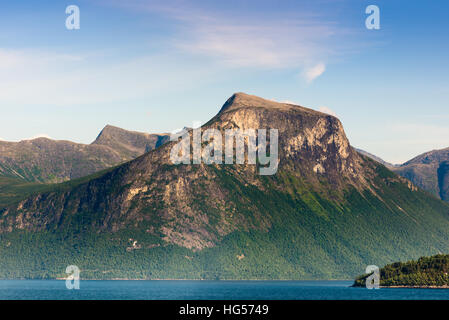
46	160
243	100
316	142
110	131
130	143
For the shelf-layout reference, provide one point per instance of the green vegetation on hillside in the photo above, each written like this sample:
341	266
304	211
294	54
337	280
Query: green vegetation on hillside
309	237
326	214
425	272
13	190
44	160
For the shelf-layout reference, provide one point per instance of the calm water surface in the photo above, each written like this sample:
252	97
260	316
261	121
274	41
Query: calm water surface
202	290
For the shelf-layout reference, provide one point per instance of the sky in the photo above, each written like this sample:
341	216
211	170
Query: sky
155	66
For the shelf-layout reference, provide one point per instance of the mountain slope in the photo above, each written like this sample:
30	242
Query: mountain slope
45	160
326	213
129	143
376	158
428	171
443	180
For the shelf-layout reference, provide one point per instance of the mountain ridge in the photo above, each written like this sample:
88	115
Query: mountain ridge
46	160
326	213
132	143
428	171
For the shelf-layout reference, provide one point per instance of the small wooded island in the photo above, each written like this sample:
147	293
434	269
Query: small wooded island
426	272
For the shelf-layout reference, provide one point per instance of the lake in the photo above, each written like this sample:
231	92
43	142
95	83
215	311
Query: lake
207	290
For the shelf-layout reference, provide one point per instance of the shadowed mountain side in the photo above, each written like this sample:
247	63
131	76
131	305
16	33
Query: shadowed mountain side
427	171
443	180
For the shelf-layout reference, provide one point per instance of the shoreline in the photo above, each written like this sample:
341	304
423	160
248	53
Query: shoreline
222	280
407	287
416	287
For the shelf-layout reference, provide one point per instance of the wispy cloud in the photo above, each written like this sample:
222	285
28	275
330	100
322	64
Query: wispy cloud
202	44
252	39
208	41
310	74
49	78
327	110
13	59
41	135
255	45
291	102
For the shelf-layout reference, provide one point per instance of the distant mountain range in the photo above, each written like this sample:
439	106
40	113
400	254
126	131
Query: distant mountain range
376	158
429	171
327	213
129	144
49	161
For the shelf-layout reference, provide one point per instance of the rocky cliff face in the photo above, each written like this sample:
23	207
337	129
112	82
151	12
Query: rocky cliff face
50	161
187	201
327	210
313	145
311	142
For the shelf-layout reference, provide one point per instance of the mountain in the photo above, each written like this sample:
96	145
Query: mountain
443	180
45	160
429	171
129	143
326	213
376	158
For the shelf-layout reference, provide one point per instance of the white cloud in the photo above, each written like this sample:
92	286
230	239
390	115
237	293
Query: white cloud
285	101
41	135
207	45
291	102
251	38
327	110
254	45
24	59
314	72
47	78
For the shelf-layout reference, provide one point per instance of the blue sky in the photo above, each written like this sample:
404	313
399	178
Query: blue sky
155	66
